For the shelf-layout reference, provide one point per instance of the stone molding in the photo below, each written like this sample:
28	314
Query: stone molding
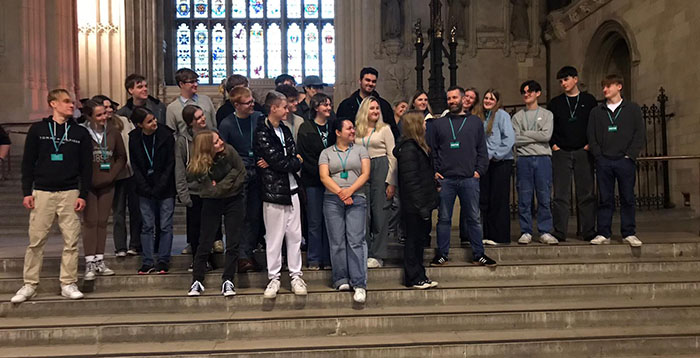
559	22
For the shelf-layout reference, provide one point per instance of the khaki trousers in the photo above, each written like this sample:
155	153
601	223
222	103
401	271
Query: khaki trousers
48	206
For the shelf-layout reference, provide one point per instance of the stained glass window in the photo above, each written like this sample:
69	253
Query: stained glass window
255	38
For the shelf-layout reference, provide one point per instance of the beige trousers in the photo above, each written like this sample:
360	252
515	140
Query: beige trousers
48	206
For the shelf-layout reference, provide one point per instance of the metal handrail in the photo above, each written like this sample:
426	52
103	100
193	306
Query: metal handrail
670	157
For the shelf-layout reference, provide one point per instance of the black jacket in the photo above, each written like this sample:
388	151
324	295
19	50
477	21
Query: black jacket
74	171
161	183
419	193
570	134
310	146
275	178
349	107
154	104
628	137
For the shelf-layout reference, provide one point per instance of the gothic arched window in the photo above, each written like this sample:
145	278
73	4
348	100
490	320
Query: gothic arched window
255	38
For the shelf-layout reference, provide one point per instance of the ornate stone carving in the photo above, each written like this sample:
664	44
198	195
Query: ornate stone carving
392	19
459	14
560	21
490	40
520	20
99	28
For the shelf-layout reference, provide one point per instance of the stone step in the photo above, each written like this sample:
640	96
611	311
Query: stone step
546	343
543	273
228	328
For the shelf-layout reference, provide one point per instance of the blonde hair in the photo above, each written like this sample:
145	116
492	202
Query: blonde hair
412	128
362	117
203	153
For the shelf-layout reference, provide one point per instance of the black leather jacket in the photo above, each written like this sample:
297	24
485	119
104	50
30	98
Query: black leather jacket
275	178
418	188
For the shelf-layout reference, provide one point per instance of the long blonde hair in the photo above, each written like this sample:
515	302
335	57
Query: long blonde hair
203	153
412	128
362	117
496	107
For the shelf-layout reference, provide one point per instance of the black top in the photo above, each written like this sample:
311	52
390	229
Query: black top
570	132
463	159
310	145
160	183
282	161
69	168
349	107
615	138
154	104
419	193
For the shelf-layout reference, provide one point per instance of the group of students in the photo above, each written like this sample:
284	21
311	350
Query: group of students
351	177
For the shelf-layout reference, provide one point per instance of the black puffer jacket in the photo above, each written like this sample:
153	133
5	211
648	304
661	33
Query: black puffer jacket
419	193
275	178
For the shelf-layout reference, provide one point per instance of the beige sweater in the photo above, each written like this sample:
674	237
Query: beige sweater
380	144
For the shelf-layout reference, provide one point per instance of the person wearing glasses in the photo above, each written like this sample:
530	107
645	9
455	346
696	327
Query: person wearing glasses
238	129
188	82
533	129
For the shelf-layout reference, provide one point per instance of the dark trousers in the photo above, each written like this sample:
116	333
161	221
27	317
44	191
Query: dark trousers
416	230
194	222
578	163
233	211
608	171
253	214
125	197
494	201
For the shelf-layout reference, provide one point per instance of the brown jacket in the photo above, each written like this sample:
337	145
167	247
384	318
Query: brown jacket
114	154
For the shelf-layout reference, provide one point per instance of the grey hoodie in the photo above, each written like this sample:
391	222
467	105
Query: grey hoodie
183	154
533	129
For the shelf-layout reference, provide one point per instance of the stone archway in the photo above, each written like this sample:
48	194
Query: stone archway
612	49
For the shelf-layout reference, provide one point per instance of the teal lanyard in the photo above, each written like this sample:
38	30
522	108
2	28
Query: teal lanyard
53	136
572	113
613	120
104	148
369	138
241	131
323	140
343	163
454	136
534	127
488	117
153	150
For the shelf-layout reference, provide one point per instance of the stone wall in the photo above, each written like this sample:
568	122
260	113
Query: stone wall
664	50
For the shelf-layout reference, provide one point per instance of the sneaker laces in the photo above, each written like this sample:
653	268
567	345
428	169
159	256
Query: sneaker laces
297	281
196	285
274	284
227	286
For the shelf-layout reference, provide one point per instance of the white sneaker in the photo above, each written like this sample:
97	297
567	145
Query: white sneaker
23	294
490	242
600	240
227	289
272	288
120	254
633	241
360	295
548	239
299	286
374	263
344	287
90	271
196	289
71	291
102	270
525	239
219	246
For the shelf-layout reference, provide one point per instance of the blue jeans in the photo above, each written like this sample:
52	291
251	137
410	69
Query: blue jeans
346	227
467	189
149	208
318	252
623	170
534	176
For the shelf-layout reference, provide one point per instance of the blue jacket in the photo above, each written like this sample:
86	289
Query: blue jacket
502	138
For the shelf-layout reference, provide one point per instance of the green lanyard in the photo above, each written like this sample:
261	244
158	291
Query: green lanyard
343	163
454	136
153	151
370	138
613	120
104	148
488	116
53	136
572	113
535	122
323	140
250	152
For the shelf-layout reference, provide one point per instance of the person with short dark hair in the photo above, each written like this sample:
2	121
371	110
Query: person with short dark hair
188	82
152	148
312	86
616	135
460	159
137	87
285	79
368	82
533	130
293	121
56	179
571	157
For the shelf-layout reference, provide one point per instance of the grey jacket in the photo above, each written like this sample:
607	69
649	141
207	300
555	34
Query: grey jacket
183	153
533	129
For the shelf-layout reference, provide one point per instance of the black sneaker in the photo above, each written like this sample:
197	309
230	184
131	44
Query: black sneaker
438	260
484	261
146	269
196	289
162	268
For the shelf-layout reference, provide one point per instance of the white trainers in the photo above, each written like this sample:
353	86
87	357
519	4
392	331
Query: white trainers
525	239
344	287
600	240
633	241
360	295
374	263
227	289
71	291
489	242
196	289
219	246
23	294
90	271
299	286
102	270
548	239
272	288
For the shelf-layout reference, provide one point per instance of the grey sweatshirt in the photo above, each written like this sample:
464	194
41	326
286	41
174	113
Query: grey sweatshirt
533	129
